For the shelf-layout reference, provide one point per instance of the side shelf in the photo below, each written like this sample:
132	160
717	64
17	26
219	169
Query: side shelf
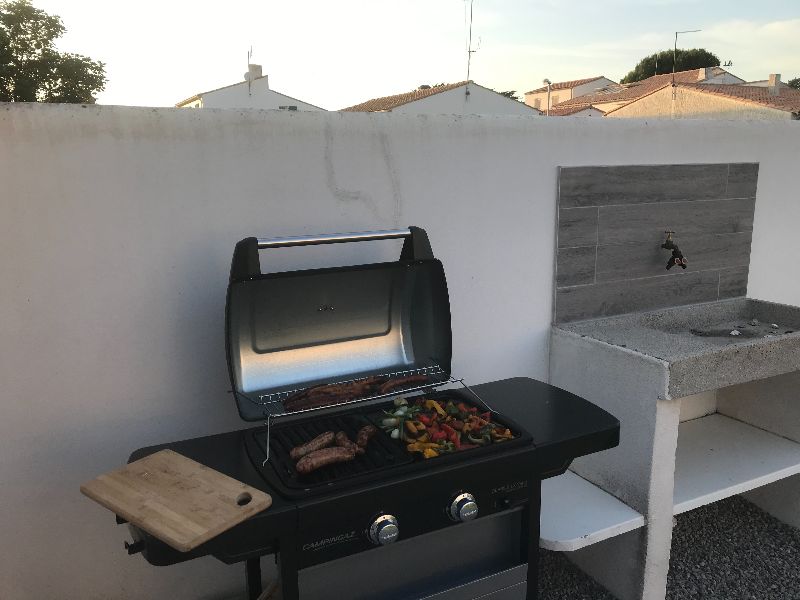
577	513
718	457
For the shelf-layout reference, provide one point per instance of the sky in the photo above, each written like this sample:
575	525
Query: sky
338	53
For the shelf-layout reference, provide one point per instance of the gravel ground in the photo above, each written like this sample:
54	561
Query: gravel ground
730	550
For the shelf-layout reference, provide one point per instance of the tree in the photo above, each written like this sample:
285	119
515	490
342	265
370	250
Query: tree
795	83
510	94
32	70
661	62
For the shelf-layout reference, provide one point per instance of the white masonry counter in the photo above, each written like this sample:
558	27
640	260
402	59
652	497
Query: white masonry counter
704	415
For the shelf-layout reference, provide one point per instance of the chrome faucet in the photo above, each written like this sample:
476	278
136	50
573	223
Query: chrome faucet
677	257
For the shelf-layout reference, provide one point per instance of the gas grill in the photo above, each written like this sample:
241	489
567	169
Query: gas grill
462	524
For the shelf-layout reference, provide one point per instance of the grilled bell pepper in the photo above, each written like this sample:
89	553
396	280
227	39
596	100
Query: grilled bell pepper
429	453
421	446
434	405
436	436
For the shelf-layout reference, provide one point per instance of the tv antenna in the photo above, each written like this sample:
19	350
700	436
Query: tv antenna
470	50
249	77
675	51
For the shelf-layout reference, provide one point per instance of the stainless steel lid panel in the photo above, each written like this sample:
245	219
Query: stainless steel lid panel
292	330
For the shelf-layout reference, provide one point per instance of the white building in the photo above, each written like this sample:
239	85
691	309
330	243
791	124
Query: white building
463	98
615	96
720	101
566	90
253	92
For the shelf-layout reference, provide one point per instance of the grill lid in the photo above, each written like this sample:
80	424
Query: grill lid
291	330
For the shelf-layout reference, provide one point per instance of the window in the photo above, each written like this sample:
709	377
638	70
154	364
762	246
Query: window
537	103
287	107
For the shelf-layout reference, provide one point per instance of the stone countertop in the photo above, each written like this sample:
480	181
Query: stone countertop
696	343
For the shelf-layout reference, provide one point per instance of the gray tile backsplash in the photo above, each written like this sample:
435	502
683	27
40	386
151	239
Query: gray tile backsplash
576	266
638	184
625	224
611	223
577	227
733	282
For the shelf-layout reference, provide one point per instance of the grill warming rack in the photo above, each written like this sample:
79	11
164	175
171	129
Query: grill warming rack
273	403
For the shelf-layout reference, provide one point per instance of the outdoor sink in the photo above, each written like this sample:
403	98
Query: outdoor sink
729	321
696	344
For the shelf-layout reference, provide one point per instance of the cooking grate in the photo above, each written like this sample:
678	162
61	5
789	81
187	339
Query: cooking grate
381	453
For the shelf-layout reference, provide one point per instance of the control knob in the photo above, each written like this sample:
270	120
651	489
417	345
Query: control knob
384	530
463	508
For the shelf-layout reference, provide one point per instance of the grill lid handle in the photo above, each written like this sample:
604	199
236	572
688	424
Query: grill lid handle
246	264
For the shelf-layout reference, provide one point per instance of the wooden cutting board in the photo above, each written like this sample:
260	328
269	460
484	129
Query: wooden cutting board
176	499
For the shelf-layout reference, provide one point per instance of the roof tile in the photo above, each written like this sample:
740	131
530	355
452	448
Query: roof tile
390	102
787	99
563	85
634	91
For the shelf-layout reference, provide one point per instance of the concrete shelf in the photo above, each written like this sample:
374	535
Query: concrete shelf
576	513
718	457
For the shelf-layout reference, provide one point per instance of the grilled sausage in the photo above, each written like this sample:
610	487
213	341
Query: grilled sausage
321	458
345	442
319	442
364	434
402	382
323	395
304	402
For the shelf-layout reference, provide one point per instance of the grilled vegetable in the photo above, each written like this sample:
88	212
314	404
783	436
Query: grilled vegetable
480	441
433	404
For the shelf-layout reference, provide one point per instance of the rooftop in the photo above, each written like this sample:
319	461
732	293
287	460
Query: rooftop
564	85
389	102
638	89
787	98
559	111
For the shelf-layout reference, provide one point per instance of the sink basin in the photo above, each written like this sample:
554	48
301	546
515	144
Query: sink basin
696	342
728	322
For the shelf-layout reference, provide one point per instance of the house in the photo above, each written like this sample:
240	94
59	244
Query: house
253	92
614	97
463	98
766	83
566	90
576	110
691	100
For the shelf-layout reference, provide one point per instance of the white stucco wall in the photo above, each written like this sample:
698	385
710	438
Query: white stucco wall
591	87
259	96
117	231
481	101
725	78
694	104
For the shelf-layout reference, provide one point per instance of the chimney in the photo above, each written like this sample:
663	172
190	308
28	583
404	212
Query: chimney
703	74
774	84
253	72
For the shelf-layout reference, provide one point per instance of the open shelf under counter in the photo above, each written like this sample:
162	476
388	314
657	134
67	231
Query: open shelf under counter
719	457
577	513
